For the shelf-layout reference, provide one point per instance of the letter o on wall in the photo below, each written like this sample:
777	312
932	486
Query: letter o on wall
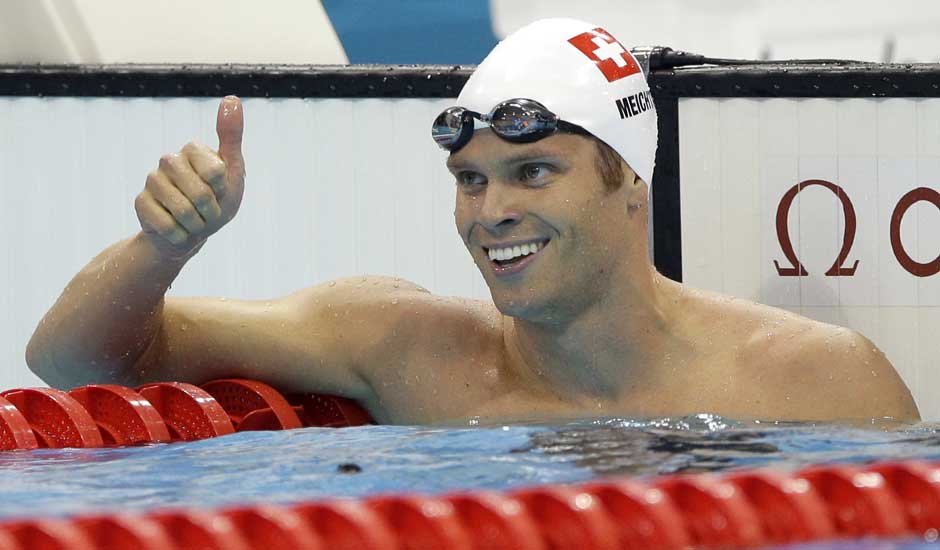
913	267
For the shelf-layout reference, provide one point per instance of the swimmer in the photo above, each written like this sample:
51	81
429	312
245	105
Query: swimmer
551	144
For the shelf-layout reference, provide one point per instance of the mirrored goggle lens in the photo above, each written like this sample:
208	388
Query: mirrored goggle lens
521	121
447	126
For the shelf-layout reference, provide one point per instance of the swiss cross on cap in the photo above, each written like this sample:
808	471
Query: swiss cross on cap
610	56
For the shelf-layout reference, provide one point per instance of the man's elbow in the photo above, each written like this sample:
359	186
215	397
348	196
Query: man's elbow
37	359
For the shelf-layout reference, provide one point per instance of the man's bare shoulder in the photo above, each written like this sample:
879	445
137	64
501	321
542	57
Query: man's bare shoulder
813	370
790	366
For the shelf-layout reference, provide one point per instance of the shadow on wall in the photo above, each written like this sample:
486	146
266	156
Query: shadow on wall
416	31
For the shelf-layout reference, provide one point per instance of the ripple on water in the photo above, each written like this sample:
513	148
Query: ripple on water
306	464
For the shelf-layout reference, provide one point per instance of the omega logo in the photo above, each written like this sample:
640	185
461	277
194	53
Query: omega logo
839	269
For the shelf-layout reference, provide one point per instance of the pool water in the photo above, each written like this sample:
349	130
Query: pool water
312	463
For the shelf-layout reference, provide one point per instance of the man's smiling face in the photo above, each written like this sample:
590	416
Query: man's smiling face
539	222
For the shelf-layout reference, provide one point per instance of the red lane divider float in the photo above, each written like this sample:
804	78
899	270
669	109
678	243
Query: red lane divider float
108	414
48	534
569	518
7	542
328	411
122	415
15	432
348	525
497	522
916	487
124	531
266	527
253	405
200	529
860	502
422	522
790	510
647	517
715	512
56	418
189	411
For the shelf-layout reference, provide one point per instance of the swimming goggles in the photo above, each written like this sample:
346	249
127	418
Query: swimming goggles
516	120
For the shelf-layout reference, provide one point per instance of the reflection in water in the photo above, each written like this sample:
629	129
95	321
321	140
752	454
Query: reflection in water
707	443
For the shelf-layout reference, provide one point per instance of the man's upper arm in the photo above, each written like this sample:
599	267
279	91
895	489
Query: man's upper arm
306	341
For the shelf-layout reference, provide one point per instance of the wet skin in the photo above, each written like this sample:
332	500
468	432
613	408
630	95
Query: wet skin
583	327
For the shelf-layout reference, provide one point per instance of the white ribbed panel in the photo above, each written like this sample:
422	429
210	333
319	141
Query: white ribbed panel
737	159
335	188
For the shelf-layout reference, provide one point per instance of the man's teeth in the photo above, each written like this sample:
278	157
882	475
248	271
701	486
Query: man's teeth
511	252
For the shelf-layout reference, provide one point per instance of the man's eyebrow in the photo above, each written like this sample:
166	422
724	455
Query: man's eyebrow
527	156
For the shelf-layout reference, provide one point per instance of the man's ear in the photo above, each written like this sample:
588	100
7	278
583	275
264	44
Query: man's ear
637	190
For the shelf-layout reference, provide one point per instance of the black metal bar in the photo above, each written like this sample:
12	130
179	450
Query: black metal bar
667	217
764	80
795	80
241	80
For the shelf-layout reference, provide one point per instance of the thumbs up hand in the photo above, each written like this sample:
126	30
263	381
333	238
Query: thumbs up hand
195	192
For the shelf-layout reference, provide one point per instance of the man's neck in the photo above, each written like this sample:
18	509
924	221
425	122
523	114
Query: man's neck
602	352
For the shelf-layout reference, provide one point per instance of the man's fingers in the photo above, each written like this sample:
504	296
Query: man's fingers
230	125
170	197
208	166
154	218
185	178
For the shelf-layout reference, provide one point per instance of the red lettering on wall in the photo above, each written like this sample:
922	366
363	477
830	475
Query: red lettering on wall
848	233
913	267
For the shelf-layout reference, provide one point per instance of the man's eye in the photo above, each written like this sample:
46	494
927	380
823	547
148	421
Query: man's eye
534	171
470	178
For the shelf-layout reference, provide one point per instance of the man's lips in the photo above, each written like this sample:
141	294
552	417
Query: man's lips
513	257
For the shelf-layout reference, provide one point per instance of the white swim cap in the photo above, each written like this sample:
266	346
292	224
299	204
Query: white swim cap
582	74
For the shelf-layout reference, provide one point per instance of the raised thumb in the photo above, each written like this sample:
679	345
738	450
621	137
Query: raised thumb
230	125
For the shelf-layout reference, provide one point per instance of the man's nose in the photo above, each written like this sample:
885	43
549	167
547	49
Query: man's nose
501	209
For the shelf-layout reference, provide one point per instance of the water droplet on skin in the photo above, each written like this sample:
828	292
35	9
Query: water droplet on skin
394	301
332	283
184	326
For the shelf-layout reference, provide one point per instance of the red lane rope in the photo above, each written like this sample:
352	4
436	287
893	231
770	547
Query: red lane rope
735	510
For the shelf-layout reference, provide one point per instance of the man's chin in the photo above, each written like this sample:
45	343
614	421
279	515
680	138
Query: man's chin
521	307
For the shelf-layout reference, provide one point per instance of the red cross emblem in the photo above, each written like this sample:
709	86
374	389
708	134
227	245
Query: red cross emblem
610	56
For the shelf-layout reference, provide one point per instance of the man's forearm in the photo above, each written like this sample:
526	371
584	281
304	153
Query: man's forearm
106	317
